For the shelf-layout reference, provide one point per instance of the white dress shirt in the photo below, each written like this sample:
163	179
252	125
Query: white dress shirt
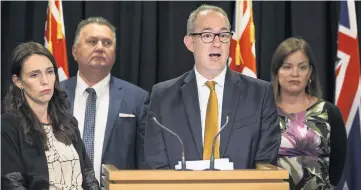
203	94
102	105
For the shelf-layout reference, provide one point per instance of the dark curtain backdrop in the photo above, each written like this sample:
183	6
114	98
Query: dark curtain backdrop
150	35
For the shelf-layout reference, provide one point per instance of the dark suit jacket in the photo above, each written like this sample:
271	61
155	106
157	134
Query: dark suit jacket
24	166
123	144
252	135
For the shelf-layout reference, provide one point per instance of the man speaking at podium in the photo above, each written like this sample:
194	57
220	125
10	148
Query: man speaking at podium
196	104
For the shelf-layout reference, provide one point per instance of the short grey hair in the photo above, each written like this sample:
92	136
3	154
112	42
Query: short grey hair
93	20
193	16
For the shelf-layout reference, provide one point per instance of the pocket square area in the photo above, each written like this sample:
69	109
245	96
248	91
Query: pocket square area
126	115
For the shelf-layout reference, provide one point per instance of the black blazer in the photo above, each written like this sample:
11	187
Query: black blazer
338	141
252	135
25	167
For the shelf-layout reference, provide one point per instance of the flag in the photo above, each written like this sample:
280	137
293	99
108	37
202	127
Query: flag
55	37
242	53
348	93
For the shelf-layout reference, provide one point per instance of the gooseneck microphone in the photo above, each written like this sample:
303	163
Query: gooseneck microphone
183	162
211	162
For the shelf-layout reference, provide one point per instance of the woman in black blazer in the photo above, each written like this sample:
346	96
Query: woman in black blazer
41	147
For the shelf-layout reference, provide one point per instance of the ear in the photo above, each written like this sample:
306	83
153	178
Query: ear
188	41
17	81
73	51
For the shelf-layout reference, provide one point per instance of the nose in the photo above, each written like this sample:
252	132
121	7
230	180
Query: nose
99	46
295	72
216	41
44	79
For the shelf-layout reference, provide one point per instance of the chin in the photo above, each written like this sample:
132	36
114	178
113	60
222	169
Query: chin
216	66
98	64
46	98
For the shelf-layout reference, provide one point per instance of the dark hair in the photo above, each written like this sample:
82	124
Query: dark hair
62	122
286	48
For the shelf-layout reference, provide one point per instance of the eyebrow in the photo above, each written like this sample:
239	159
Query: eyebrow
300	63
38	70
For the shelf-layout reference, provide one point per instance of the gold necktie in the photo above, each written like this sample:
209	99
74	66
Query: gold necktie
211	128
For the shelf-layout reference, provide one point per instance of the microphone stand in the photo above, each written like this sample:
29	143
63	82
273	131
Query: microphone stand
212	159
183	161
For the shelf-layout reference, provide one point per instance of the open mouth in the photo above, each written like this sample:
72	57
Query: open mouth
214	55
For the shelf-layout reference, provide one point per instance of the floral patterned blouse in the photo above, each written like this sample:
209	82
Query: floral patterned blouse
305	147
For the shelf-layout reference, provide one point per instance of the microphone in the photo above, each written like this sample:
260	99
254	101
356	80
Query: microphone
183	162
211	162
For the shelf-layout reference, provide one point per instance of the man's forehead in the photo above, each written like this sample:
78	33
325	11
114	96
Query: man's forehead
210	17
96	31
96	28
206	13
98	36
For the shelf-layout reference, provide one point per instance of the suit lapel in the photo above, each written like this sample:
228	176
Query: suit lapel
115	98
70	86
189	95
231	96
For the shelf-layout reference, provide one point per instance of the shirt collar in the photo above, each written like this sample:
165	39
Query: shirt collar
219	79
100	87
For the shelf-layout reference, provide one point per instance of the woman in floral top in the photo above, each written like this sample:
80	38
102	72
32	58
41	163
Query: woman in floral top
313	144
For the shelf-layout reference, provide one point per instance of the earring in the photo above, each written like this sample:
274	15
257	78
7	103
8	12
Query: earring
22	93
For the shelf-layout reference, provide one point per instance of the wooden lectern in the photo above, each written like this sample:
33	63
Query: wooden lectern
265	176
